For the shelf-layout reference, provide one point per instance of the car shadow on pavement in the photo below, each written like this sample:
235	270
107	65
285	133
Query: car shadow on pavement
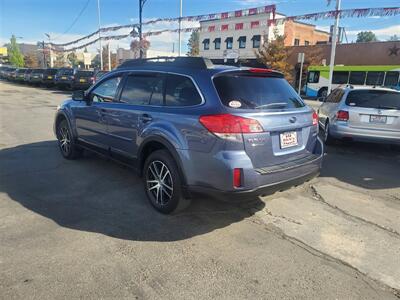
96	195
366	165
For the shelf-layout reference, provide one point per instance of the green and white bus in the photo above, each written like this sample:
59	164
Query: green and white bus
317	78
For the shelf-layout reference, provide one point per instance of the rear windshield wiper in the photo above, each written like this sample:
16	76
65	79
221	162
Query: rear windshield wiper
275	104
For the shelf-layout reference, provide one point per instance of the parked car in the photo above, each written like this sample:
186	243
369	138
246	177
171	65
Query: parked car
190	127
36	76
99	74
64	78
27	75
368	114
4	71
12	75
48	76
83	79
20	75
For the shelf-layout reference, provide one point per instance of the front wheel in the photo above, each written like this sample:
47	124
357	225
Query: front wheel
66	143
328	139
162	183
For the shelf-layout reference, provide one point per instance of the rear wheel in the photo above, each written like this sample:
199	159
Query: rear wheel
162	183
328	139
323	92
66	142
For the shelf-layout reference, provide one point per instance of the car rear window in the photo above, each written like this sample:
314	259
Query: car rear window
51	71
256	92
84	73
374	99
65	72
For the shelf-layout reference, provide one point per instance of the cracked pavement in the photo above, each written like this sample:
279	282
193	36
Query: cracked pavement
84	229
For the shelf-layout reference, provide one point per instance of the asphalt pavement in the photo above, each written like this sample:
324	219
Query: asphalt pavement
84	229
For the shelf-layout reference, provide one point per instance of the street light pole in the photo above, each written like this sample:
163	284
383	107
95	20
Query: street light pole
333	46
101	49
141	4
50	51
180	28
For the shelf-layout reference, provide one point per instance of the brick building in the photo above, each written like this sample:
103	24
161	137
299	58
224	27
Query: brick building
303	34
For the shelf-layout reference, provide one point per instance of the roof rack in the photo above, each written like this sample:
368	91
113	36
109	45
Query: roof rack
180	61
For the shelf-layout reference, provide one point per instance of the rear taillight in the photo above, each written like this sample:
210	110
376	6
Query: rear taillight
237	178
315	118
342	115
260	70
227	123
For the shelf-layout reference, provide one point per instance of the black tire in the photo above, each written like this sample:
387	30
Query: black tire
66	142
323	92
328	139
160	174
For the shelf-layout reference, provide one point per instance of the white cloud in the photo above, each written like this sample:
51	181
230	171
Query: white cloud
382	33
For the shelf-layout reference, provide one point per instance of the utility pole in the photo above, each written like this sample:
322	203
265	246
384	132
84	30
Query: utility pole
333	46
109	57
101	48
141	4
180	28
50	50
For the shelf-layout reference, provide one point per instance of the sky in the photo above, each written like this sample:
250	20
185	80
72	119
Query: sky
29	20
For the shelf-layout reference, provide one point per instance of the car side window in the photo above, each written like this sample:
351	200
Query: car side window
181	91
106	91
331	96
143	89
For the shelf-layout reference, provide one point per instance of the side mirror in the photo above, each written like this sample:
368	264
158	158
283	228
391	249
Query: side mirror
321	99
78	95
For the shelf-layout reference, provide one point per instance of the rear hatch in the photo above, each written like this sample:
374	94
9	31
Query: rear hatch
289	127
84	77
374	109
65	75
49	74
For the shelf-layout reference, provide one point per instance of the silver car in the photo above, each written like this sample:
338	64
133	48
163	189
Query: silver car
366	114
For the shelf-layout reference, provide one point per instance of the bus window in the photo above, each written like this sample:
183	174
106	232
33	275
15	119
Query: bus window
375	78
357	77
392	78
340	77
313	77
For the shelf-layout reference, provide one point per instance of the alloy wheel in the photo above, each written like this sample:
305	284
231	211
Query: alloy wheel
159	182
64	139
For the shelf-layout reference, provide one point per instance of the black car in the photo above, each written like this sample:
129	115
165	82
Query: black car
49	77
83	79
65	78
36	76
20	75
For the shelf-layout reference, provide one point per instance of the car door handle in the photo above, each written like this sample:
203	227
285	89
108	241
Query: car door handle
145	118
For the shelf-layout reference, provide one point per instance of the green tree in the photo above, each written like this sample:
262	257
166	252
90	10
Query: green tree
31	60
73	60
15	56
366	36
194	44
394	38
275	55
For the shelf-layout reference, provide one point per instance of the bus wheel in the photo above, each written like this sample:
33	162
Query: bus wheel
323	92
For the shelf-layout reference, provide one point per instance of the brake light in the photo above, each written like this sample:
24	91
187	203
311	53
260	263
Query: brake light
230	124
342	115
315	118
260	70
237	177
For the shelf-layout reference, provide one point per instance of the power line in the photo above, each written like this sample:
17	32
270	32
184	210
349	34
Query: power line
75	20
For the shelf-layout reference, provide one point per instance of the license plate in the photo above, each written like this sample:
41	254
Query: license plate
82	80
49	77
377	119
288	139
63	77
35	76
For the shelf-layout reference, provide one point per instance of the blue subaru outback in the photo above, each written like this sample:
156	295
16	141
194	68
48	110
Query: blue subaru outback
189	127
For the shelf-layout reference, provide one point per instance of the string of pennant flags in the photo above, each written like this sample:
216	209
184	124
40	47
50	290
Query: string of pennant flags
345	13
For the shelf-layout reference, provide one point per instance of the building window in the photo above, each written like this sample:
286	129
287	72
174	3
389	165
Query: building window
217	43
206	43
296	42
224	27
211	28
306	43
239	26
255	24
256	41
242	42
229	42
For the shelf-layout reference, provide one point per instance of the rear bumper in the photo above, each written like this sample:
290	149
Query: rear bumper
215	176
340	131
